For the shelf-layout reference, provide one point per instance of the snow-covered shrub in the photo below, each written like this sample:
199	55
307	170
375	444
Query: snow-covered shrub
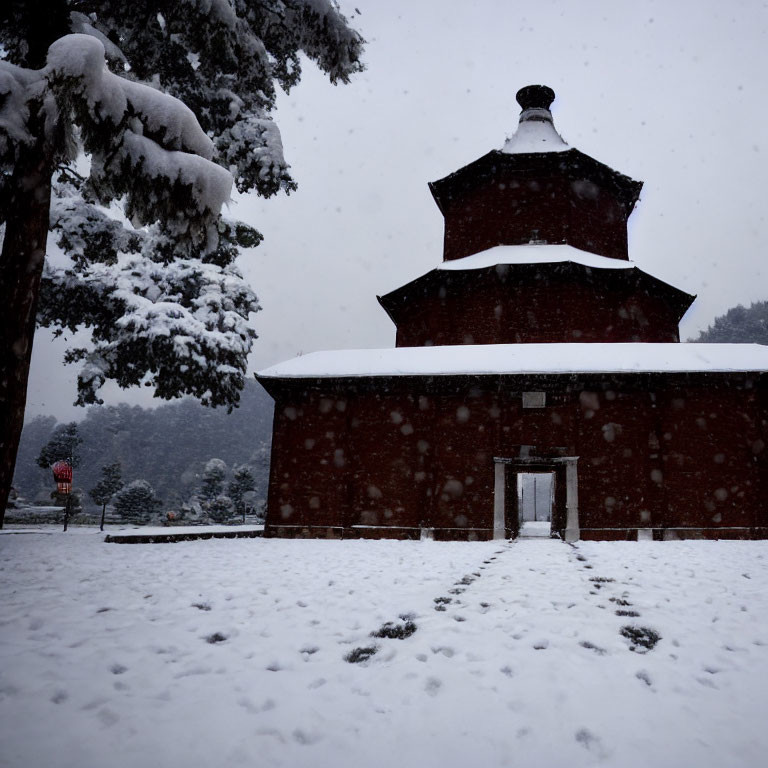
136	503
213	480
220	509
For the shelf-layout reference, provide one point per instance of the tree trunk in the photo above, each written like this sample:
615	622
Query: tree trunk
21	267
103	514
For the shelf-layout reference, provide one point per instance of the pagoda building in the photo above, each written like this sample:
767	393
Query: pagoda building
535	349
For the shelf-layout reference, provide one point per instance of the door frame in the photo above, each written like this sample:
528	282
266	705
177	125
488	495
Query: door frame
565	510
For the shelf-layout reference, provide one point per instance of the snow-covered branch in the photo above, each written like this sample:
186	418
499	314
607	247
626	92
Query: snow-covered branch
144	144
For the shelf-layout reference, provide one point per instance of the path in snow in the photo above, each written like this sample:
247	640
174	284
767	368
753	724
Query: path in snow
536	529
219	653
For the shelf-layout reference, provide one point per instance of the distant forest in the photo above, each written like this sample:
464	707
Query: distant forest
739	325
167	446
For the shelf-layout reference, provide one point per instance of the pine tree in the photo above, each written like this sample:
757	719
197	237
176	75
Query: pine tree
164	301
213	502
136	503
111	482
213	480
64	445
243	482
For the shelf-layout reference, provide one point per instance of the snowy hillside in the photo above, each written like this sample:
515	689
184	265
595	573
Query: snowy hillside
219	653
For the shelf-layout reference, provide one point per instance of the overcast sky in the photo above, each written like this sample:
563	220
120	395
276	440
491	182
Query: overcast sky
671	93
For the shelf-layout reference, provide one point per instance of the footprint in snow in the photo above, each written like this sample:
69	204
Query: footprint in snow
248	705
306	738
592	647
541	645
620	601
107	716
734	649
641	674
432	686
641	639
394	631
591	742
360	655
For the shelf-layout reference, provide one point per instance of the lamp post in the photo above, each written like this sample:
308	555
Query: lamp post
62	474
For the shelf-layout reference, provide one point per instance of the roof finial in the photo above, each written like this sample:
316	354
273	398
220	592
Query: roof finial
535	97
536	132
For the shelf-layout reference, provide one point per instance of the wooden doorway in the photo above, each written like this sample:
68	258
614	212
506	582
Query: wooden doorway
509	506
535	502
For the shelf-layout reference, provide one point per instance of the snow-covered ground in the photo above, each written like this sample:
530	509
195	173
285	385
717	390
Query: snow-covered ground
232	652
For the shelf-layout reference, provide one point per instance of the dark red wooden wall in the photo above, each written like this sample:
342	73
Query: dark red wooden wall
516	208
655	451
508	304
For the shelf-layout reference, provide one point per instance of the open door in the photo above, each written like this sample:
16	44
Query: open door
551	506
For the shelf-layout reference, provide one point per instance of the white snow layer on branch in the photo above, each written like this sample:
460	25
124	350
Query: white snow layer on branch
200	309
259	138
155	134
211	183
81	24
17	87
220	10
86	232
82	58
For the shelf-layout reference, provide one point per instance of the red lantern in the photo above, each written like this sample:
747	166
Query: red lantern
62	474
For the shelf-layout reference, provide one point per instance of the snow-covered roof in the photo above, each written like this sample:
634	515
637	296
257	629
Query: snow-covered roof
534	135
512	359
535	254
544	253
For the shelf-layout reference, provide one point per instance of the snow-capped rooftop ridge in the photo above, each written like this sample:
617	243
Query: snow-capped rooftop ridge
535	253
536	130
544	253
525	359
